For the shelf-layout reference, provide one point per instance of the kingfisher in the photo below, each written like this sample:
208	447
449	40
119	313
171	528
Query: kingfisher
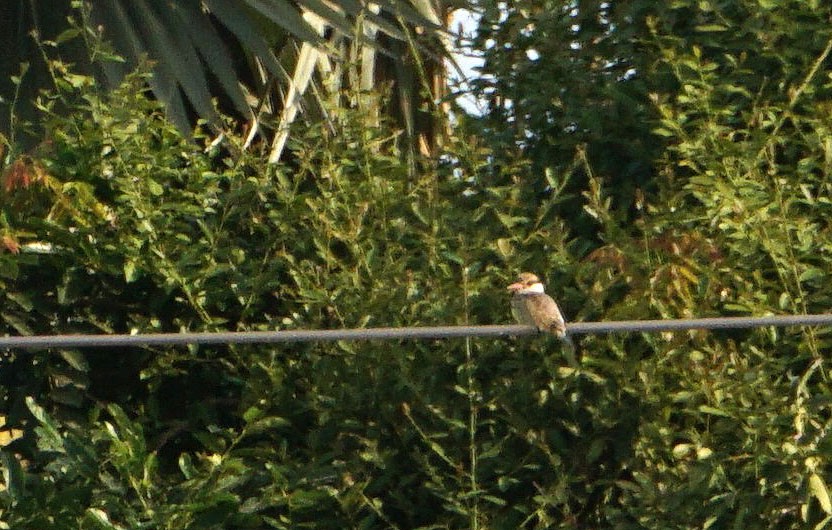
531	306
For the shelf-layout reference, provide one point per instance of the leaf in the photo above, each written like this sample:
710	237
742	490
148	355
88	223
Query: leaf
511	221
13	476
812	273
131	272
714	411
67	35
17	322
452	257
505	247
494	500
186	466
241	25
285	14
22	300
266	424
154	187
681	450
785	301
818	489
252	414
214	52
100	518
739	308
76	359
596	449
711	27
667	133
49	437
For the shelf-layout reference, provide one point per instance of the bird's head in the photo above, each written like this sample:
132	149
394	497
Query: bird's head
526	283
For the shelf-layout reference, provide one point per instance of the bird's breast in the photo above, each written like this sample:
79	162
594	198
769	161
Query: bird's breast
520	309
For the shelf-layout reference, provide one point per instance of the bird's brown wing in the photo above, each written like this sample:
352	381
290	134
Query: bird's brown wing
549	317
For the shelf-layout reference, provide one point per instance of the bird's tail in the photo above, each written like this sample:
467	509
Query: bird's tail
569	351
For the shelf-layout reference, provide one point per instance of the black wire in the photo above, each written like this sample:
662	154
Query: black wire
700	323
438	332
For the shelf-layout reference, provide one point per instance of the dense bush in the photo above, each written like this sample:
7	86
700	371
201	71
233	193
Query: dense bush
117	223
139	229
698	140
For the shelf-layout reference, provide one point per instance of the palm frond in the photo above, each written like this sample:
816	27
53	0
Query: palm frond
239	52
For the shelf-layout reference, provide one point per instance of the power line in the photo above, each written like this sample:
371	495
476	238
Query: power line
415	333
262	337
699	323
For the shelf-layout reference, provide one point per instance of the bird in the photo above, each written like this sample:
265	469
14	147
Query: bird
531	306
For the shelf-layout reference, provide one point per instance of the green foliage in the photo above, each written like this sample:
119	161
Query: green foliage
726	138
562	78
116	223
747	171
122	225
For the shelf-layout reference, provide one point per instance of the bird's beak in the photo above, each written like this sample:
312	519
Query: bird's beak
514	287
